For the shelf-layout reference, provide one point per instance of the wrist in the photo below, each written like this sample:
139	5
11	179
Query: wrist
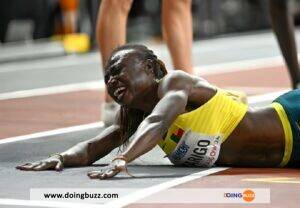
120	157
59	156
77	155
123	166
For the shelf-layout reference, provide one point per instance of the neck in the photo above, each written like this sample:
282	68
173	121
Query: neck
148	100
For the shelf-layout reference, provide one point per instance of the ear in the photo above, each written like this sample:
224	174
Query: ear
150	67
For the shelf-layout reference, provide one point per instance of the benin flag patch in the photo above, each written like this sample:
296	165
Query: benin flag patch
177	135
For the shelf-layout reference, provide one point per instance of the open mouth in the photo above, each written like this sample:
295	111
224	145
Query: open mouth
119	93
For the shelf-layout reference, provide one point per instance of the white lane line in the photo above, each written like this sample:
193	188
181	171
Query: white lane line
99	84
256	90
53	132
92	85
35	203
245	65
53	64
265	97
138	195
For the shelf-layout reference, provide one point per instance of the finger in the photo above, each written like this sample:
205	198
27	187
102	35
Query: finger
50	165
94	172
109	173
112	173
39	167
94	175
28	166
103	176
36	164
21	166
24	164
59	166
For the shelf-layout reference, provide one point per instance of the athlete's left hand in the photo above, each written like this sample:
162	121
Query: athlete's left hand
109	171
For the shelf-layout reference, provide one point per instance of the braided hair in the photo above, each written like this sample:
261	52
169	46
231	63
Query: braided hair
130	118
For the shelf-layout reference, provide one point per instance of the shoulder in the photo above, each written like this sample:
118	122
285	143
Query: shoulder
177	74
176	80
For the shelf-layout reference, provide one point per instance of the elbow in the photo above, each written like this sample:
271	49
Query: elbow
156	123
154	119
150	142
84	156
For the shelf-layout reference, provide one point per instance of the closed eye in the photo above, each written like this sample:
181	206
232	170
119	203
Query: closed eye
116	71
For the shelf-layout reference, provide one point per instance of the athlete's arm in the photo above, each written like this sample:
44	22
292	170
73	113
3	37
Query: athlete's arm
83	153
174	97
149	132
87	152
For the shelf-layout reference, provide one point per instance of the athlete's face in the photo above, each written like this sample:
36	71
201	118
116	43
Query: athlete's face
127	77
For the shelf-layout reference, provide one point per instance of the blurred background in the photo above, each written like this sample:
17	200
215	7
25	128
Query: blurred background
52	87
39	19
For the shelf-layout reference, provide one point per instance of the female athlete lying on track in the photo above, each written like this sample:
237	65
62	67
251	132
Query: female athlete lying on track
193	122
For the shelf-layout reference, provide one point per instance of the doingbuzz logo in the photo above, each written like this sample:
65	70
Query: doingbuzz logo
248	195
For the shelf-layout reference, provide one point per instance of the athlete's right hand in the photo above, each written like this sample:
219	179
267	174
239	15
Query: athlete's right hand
52	163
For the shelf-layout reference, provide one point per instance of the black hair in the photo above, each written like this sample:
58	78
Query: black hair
131	118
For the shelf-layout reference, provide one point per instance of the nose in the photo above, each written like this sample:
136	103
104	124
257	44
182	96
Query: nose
112	81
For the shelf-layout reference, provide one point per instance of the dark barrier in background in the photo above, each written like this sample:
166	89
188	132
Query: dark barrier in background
210	17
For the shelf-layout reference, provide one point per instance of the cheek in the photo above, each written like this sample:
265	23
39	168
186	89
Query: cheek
128	98
110	92
140	82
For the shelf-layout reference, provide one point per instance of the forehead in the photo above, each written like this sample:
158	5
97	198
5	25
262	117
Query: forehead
122	53
121	57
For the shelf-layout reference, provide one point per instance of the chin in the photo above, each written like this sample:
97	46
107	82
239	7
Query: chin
127	101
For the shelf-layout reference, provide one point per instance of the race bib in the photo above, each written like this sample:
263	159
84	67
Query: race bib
195	149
